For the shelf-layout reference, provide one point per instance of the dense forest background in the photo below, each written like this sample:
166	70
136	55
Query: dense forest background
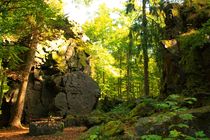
150	60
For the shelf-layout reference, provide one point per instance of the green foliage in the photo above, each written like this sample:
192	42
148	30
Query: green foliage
22	18
173	118
108	37
175	102
175	134
104	131
122	109
92	134
10	55
151	137
180	125
186	116
3	83
24	24
200	134
163	106
130	6
196	38
112	128
93	137
137	110
116	64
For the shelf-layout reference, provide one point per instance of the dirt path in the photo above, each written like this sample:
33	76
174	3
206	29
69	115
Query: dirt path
71	133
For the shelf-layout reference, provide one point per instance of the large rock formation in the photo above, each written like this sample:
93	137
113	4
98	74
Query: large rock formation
186	49
73	93
60	82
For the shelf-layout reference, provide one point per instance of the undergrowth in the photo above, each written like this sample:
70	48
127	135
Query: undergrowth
171	113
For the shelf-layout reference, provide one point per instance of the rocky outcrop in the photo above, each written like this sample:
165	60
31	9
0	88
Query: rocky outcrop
73	93
60	82
162	124
186	65
61	85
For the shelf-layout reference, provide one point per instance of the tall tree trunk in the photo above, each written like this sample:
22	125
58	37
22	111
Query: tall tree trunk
145	49
129	56
2	78
120	79
16	114
103	77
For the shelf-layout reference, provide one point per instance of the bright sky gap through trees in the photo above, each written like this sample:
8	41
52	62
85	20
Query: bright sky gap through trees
81	13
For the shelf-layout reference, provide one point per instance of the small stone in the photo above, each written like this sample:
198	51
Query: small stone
45	127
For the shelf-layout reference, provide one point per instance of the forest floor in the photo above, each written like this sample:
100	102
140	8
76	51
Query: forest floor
71	133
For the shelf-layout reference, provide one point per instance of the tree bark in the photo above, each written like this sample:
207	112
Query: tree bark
129	56
120	79
145	49
16	114
2	80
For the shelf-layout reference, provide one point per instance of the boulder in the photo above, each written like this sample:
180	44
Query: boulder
78	94
73	93
110	130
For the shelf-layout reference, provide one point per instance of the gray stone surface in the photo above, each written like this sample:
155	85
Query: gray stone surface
79	94
73	93
45	128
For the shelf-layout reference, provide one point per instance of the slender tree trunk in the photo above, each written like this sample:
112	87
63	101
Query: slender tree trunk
2	77
103	77
120	79
145	49
129	55
2	88
97	75
16	114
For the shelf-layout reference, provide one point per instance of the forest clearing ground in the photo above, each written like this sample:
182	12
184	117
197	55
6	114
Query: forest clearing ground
70	133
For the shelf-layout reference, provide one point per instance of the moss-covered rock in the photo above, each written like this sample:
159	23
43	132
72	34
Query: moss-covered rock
95	120
186	65
141	110
90	120
157	122
112	128
182	121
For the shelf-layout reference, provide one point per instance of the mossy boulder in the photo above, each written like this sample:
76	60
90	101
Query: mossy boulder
141	110
112	128
187	122
90	120
146	125
95	120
